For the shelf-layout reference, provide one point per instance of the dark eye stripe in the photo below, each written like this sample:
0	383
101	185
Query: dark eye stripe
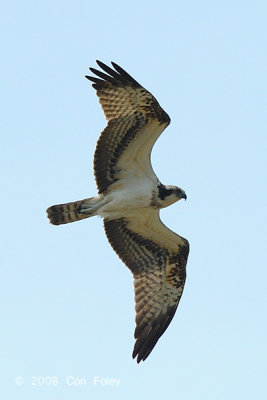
163	192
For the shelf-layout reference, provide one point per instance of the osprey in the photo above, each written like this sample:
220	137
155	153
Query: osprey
129	199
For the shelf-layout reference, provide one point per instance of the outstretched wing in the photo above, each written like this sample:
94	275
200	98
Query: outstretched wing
157	258
135	121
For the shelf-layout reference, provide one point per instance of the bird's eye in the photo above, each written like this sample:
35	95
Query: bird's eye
169	192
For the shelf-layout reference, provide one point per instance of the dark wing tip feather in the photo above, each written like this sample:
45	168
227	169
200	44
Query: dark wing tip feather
101	75
92	78
125	74
108	70
147	340
115	76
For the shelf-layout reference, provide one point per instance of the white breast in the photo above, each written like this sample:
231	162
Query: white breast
126	197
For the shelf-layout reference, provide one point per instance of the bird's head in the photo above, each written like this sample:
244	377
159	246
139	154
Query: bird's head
169	194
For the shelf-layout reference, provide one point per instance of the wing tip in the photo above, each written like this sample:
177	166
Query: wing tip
115	76
141	354
147	339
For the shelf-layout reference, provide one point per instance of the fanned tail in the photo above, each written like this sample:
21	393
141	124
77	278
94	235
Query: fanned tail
71	212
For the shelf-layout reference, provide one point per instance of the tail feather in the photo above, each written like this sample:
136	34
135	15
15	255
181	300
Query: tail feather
69	212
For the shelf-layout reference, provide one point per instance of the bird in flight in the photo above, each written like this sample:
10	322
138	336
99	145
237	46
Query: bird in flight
129	199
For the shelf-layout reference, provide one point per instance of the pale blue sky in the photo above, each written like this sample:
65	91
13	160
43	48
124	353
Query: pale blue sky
67	303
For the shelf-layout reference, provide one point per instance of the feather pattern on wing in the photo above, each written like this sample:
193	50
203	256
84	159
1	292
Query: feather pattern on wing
157	258
135	121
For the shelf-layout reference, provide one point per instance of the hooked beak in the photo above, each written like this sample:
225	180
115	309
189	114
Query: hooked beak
184	196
